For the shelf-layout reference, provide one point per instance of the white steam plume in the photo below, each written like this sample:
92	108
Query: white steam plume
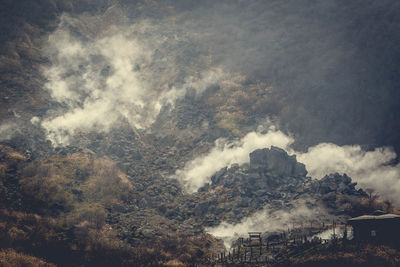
370	169
7	130
266	221
117	73
197	172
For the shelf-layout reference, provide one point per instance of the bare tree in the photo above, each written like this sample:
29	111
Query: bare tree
388	206
372	196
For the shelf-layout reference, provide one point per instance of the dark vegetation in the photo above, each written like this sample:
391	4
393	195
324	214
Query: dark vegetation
339	253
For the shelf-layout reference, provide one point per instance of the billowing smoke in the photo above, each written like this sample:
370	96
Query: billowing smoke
339	232
197	172
325	63
370	169
267	220
110	67
112	73
7	130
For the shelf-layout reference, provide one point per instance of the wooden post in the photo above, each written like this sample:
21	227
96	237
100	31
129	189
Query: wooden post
334	226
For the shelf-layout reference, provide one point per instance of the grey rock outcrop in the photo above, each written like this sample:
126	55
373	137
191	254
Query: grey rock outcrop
337	183
276	162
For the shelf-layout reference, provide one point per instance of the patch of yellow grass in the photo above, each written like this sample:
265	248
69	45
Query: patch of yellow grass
11	258
174	263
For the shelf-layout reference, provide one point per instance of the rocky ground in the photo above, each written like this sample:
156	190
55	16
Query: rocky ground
272	180
60	196
160	207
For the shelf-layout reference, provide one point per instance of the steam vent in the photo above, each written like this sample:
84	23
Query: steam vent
182	133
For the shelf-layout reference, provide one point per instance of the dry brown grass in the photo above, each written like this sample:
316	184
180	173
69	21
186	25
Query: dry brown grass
174	263
11	155
235	99
3	168
76	182
11	258
72	194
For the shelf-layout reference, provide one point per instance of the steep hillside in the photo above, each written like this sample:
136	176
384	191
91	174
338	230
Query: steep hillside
154	133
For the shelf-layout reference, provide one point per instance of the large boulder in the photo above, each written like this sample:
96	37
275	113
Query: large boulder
276	162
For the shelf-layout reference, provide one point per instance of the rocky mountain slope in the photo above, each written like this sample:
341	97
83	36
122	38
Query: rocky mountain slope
109	195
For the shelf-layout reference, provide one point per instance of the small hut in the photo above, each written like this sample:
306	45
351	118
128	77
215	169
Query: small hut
383	229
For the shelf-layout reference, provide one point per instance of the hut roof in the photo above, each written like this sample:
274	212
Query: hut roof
375	217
